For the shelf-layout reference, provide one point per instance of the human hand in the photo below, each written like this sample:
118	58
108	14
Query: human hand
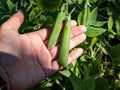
25	59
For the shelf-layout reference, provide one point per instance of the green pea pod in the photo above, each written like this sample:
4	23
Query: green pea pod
79	18
88	17
84	16
56	29
84	20
65	41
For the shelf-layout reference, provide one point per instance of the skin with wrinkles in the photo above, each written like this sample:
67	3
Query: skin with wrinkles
25	59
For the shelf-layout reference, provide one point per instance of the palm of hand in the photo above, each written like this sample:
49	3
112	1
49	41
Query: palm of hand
32	54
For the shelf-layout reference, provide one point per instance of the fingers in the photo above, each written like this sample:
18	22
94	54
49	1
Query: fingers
77	37
45	33
73	23
72	56
14	22
77	30
75	41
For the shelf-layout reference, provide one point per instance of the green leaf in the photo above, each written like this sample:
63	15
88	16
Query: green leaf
115	52
38	26
49	21
86	71
79	1
5	16
30	5
87	84
34	13
93	16
110	11
110	23
52	5
101	84
95	67
2	8
75	81
71	2
117	23
93	32
39	4
98	23
65	73
92	1
118	36
105	51
10	5
93	42
117	83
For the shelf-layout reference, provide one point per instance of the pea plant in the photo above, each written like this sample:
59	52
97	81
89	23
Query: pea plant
99	67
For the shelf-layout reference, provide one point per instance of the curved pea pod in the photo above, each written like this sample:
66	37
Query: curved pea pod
79	18
56	29
88	17
64	44
84	16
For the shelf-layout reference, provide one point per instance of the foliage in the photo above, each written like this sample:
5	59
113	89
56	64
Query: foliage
99	67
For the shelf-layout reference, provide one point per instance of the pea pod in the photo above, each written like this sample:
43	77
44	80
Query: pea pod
64	44
84	16
79	19
56	29
84	19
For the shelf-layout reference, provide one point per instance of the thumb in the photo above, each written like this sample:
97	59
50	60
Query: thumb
14	22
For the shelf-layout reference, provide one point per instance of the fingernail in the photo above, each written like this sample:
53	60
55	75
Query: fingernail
83	35
83	28
21	11
74	22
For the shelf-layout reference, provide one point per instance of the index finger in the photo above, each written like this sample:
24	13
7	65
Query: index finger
45	33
